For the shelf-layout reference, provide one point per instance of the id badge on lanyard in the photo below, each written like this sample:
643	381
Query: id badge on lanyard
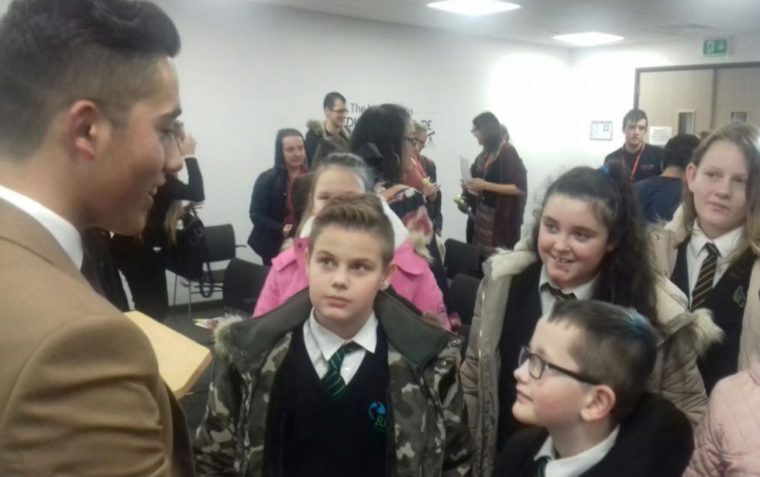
636	162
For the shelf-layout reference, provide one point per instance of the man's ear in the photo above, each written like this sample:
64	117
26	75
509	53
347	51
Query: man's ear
86	128
600	403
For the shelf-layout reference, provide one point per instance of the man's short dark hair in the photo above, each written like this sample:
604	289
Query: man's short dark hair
331	98
56	52
679	150
634	116
616	346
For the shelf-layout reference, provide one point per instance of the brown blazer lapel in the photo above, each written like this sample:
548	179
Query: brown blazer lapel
19	228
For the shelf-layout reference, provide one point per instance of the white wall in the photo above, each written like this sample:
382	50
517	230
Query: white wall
603	81
248	69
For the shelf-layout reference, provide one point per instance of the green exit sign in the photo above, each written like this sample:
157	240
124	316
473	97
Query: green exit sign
715	47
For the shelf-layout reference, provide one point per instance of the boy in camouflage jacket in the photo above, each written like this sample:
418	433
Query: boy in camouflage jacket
424	397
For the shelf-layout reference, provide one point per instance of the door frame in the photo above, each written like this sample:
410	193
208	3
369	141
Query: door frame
705	66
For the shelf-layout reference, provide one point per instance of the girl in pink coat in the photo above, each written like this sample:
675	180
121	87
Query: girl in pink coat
337	175
728	440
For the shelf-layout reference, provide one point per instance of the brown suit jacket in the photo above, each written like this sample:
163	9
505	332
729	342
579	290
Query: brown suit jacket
80	392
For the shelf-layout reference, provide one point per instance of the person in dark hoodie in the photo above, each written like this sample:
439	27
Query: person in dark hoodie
332	130
271	210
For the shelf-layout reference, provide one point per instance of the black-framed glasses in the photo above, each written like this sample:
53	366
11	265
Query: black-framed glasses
412	140
340	111
537	365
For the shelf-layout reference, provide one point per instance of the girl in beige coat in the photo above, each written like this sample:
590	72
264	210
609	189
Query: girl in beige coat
588	241
720	216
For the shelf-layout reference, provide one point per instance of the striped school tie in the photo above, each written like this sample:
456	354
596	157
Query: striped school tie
332	381
558	294
706	277
539	466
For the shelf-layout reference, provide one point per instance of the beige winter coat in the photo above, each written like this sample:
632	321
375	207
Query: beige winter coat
665	242
675	376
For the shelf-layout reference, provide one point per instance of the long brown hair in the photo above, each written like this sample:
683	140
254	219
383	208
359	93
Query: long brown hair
747	138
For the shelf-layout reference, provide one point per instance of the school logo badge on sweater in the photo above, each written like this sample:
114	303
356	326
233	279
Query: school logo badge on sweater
378	416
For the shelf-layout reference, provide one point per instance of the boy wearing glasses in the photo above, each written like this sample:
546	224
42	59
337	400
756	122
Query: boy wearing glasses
582	381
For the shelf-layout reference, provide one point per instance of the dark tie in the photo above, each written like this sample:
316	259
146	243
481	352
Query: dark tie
90	271
557	293
539	466
706	277
332	381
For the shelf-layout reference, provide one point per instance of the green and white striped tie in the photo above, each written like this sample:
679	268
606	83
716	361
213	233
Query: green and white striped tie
332	381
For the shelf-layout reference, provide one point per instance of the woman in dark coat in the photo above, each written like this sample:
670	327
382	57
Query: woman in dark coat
498	187
271	210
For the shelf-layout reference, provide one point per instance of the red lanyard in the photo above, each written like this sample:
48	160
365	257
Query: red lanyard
636	162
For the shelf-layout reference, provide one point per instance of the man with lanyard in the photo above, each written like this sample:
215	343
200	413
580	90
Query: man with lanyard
642	160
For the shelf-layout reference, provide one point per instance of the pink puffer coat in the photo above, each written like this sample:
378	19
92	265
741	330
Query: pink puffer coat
728	440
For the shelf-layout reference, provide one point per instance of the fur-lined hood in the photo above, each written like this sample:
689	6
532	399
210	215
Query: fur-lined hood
317	127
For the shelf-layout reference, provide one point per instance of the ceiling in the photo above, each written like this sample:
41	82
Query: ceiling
538	20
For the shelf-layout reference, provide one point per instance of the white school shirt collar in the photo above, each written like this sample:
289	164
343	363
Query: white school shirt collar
575	465
62	230
582	292
328	342
726	243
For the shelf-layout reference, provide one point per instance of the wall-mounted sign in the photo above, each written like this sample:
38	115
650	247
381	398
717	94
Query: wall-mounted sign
739	117
601	130
659	135
715	47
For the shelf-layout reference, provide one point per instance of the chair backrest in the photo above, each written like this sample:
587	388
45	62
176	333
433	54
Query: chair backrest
243	282
463	258
220	242
464	292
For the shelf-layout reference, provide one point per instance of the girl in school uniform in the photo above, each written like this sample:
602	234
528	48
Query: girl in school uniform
587	243
710	248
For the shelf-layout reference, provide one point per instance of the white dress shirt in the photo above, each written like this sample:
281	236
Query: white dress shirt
582	292
576	465
322	343
63	231
696	253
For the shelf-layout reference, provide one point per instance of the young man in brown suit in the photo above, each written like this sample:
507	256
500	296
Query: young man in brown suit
88	102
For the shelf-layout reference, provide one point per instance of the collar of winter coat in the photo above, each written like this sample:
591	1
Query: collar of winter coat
247	343
318	127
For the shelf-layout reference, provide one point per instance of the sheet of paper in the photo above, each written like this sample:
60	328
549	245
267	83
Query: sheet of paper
464	164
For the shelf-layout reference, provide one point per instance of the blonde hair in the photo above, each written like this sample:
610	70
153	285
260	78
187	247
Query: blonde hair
747	138
363	213
170	221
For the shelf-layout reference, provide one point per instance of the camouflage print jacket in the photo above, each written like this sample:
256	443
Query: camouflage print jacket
426	403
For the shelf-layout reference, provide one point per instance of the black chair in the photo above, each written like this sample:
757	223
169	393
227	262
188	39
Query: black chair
243	282
464	293
220	247
463	258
